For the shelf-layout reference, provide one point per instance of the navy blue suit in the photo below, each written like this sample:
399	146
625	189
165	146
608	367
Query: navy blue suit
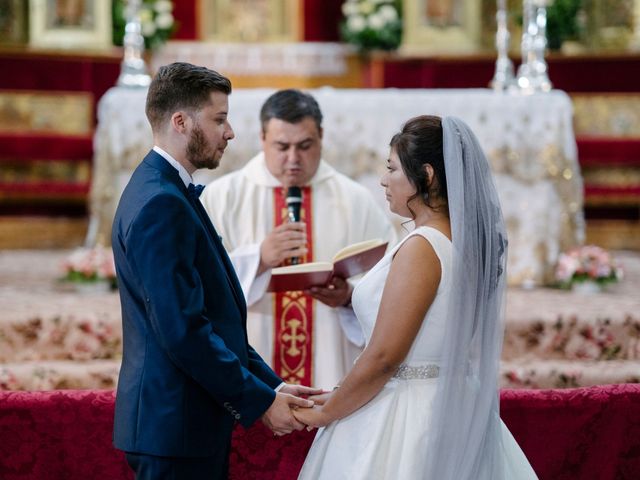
188	373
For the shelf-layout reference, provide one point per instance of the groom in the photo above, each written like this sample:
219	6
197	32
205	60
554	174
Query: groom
188	373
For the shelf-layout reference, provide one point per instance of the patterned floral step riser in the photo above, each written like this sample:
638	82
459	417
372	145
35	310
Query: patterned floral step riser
94	337
518	375
86	328
573	338
537	373
59	375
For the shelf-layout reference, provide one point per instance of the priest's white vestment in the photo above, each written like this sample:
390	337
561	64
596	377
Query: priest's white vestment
343	212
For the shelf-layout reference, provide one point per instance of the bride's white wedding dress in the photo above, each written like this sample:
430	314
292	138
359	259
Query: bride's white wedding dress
387	438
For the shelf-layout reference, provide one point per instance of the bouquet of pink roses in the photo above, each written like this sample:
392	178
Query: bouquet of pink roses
87	265
587	263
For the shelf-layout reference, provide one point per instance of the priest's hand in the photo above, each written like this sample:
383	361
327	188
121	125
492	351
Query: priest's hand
336	294
285	241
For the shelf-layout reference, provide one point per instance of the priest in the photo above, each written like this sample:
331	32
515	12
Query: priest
312	337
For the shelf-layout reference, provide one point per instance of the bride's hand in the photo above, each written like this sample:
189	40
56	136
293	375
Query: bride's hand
300	390
320	399
313	417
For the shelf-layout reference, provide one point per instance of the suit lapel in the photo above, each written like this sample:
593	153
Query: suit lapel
226	261
157	161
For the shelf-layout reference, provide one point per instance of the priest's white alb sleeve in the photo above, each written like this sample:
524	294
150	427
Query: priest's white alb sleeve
246	260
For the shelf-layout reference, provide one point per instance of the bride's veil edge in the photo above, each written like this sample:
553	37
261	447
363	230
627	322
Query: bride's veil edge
465	434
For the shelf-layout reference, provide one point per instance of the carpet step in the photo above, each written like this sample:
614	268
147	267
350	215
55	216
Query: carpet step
59	375
535	373
532	374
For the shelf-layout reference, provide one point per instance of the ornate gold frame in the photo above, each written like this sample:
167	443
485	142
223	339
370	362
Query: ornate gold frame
250	20
457	29
91	33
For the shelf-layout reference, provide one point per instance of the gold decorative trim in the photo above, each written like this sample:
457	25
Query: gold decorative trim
66	113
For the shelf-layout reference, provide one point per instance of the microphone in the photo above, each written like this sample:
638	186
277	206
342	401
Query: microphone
294	202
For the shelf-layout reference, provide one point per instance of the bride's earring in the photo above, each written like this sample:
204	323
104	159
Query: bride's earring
428	170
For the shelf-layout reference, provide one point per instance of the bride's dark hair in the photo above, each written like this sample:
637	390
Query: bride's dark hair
417	144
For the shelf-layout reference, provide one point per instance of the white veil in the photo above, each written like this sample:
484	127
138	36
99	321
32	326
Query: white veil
465	441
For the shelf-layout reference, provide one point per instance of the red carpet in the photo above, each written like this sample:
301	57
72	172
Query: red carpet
586	433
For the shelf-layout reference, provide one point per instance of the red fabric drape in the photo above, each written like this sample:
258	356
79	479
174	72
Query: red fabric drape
608	151
584	433
186	15
321	20
45	147
579	74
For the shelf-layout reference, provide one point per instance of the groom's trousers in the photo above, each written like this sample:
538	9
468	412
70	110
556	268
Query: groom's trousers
150	467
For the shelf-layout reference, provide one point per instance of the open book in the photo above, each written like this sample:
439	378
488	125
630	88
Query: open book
351	260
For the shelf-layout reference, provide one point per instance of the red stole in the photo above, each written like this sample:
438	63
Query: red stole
293	311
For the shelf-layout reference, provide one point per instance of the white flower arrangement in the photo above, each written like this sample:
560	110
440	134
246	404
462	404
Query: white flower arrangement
587	263
90	265
157	22
372	24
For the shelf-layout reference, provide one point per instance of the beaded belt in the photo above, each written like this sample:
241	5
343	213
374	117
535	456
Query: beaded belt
406	372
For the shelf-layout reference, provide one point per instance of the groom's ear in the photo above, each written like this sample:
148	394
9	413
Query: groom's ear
179	121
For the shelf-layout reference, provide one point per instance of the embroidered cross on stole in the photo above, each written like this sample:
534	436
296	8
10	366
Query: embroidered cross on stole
294	311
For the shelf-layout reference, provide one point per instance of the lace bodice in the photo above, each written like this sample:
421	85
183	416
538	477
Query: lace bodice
427	345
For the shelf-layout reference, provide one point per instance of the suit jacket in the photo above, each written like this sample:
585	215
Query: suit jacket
188	373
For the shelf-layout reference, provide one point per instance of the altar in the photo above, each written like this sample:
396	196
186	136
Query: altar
528	140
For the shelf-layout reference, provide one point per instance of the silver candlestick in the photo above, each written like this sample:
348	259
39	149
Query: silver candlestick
543	83
503	77
133	69
532	73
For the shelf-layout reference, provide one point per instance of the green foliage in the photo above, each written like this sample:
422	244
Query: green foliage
563	22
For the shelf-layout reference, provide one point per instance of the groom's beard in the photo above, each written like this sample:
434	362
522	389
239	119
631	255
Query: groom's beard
200	153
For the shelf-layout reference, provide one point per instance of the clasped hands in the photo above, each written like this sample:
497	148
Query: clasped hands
289	411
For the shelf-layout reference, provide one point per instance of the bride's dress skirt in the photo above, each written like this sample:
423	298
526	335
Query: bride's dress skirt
388	437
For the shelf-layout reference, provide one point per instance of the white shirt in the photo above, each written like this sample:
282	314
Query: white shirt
184	175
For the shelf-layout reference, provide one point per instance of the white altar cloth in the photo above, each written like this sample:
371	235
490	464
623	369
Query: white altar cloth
528	140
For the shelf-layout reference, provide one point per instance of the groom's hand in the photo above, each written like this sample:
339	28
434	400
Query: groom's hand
279	417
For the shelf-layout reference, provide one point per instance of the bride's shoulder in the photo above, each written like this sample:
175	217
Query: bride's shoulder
417	246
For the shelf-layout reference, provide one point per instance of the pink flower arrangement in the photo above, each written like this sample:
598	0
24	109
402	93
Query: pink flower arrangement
587	263
86	265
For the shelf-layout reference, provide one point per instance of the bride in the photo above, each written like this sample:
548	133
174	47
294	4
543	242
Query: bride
421	402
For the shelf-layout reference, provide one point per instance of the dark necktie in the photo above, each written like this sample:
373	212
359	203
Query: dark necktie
195	190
